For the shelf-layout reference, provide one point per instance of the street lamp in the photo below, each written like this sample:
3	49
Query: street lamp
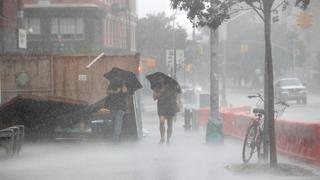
174	73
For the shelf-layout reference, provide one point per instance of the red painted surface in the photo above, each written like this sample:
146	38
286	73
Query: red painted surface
10	15
204	113
296	139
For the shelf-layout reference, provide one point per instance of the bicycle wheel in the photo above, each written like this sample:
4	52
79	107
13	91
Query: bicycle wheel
249	144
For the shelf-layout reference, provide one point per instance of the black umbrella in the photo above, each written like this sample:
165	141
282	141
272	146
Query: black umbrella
159	79
128	77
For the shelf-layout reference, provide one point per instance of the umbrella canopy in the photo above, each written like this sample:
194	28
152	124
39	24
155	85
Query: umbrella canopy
128	77
159	79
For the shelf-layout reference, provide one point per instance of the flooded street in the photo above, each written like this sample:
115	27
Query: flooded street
159	89
186	158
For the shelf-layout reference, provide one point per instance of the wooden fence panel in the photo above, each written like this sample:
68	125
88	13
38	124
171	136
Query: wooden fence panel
64	76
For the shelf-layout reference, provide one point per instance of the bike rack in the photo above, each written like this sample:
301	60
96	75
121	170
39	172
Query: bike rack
11	139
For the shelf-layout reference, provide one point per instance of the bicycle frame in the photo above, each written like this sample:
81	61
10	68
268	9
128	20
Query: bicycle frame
257	124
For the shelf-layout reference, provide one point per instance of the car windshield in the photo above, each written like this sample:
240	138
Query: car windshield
291	82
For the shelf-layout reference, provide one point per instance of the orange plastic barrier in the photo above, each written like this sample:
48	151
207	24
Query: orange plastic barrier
235	124
299	139
204	113
296	139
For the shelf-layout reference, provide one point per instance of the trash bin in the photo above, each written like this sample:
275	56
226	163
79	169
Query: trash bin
195	120
187	119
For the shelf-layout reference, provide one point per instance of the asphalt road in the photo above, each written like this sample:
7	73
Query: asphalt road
296	112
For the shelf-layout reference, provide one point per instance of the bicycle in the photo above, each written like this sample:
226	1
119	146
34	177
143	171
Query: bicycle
254	140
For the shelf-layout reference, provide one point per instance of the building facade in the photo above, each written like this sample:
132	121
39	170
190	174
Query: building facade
9	14
80	26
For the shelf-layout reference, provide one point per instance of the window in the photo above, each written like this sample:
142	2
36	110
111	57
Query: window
68	28
33	26
54	26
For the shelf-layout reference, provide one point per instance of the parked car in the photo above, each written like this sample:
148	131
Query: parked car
291	89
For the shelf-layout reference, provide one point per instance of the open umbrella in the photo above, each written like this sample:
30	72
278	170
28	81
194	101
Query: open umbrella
128	77
159	79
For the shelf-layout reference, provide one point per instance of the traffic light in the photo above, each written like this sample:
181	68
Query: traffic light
188	67
305	19
151	63
244	48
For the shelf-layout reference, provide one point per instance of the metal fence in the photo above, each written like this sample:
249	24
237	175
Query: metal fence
11	139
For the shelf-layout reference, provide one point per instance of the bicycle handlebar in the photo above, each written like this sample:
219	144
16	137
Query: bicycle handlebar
258	95
252	96
283	103
261	98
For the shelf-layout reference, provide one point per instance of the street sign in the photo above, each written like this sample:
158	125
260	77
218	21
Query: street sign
22	39
180	58
169	58
82	77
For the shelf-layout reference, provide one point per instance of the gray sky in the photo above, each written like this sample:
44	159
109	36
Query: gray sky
156	6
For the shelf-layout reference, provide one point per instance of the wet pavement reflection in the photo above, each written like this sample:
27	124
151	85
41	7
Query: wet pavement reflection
187	157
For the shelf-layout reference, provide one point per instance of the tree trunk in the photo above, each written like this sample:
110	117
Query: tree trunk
214	73
214	133
269	90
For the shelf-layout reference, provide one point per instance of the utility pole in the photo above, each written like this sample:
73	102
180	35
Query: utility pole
174	47
214	133
294	56
223	41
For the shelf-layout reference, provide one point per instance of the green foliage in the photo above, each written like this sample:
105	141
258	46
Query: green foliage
212	13
209	13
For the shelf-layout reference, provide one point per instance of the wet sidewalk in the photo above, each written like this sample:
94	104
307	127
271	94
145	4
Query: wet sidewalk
186	158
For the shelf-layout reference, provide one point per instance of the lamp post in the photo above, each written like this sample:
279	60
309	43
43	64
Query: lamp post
174	73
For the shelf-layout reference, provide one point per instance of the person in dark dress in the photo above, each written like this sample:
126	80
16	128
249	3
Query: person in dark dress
167	108
117	103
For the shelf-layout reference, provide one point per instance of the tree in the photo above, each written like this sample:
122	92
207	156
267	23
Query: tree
212	13
154	36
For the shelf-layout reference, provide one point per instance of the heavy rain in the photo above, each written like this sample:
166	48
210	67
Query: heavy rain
159	89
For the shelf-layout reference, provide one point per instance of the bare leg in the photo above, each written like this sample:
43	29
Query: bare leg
162	128
117	126
169	130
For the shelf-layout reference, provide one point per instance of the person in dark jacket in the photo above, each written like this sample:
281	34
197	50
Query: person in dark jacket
167	107
117	103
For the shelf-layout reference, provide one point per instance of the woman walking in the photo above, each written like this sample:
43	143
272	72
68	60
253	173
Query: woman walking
167	108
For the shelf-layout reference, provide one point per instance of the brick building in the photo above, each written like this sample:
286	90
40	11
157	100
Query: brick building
9	14
80	26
